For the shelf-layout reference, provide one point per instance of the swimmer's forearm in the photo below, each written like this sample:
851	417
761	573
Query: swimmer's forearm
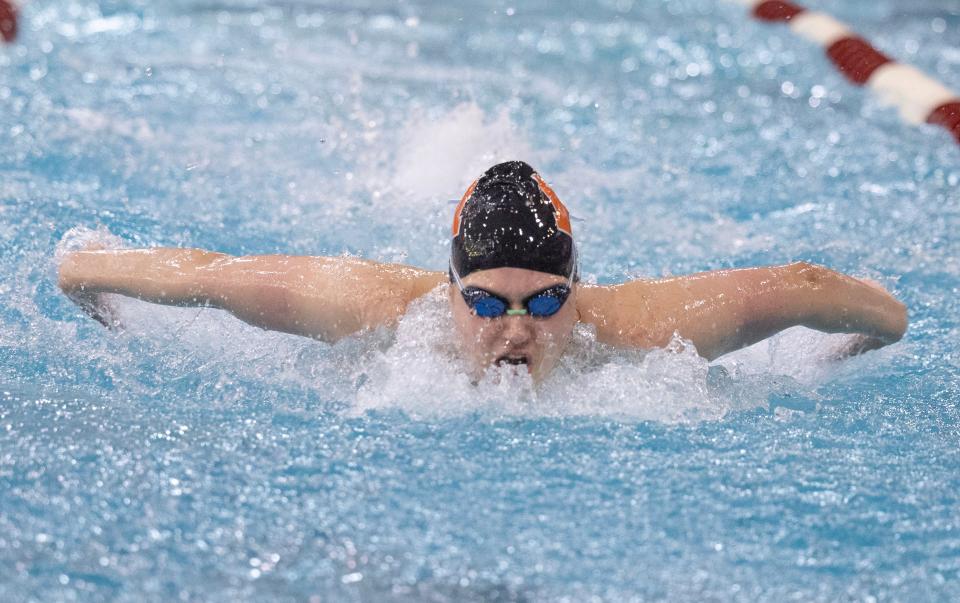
802	294
765	301
725	310
162	275
283	293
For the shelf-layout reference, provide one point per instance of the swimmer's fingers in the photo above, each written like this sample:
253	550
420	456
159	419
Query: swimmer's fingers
858	344
97	308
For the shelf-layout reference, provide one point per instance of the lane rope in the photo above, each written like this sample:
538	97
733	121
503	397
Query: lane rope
919	97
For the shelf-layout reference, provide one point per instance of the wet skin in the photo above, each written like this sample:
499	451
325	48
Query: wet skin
534	342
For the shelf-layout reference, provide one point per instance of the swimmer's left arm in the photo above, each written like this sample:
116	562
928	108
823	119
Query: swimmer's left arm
725	310
327	298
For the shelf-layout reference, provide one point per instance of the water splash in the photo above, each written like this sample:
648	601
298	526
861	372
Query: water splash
440	155
417	368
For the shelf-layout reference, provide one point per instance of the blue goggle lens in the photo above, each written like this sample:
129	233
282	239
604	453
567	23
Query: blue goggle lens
544	305
488	306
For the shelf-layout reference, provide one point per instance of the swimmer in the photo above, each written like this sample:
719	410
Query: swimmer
513	285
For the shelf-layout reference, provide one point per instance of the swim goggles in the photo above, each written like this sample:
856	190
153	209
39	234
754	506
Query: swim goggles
539	305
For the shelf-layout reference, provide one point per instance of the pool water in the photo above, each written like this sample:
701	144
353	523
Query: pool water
192	457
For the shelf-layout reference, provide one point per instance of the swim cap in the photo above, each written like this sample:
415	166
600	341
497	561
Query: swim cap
510	218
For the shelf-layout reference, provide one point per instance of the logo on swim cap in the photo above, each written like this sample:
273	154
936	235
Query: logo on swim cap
563	216
510	217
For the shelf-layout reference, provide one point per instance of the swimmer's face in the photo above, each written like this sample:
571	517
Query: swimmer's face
529	342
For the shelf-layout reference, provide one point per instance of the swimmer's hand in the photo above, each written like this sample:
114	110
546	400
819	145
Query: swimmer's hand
856	345
93	303
70	272
859	344
98	308
872	312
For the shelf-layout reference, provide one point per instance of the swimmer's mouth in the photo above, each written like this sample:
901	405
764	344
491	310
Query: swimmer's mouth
515	360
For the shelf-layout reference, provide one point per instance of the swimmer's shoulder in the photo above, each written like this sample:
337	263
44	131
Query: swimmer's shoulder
386	280
420	281
387	288
621	313
612	298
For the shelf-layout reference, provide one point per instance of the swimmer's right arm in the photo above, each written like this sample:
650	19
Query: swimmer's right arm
321	297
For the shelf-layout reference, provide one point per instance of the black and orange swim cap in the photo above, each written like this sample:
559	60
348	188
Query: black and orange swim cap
510	218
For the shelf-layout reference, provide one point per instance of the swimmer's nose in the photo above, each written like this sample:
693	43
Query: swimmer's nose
516	329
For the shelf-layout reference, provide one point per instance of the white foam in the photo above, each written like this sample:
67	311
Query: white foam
421	375
437	156
80	238
803	357
417	369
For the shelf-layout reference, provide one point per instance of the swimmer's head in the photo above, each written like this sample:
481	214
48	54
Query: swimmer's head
511	218
512	239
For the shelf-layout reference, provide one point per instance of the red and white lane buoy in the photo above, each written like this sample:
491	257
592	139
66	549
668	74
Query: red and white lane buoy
8	21
919	97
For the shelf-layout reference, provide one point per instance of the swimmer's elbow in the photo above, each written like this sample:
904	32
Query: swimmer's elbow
802	266
68	274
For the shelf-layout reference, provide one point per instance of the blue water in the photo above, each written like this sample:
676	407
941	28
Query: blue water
192	457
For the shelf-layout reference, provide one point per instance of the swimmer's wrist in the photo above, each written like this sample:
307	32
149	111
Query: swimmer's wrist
80	276
68	274
898	321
